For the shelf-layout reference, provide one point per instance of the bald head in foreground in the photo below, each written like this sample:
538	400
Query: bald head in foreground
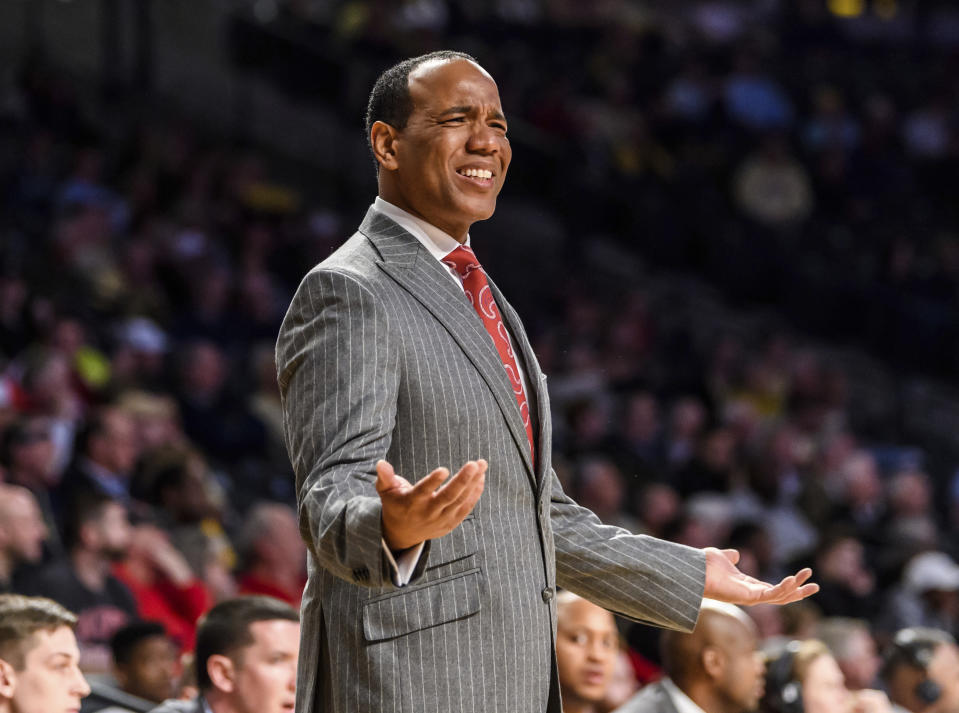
716	667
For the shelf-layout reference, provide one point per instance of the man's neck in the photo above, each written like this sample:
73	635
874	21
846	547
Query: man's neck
220	702
90	568
704	695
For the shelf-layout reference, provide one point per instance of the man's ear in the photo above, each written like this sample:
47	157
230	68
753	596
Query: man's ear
383	139
713	661
8	680
222	673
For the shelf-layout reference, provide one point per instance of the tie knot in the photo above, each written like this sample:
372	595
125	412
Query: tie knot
463	260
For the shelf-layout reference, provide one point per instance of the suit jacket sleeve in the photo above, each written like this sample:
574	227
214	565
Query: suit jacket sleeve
338	383
636	576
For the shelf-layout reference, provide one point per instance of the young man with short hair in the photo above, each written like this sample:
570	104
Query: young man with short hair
246	655
39	658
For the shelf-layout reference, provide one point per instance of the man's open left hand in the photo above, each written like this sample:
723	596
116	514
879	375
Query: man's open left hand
727	584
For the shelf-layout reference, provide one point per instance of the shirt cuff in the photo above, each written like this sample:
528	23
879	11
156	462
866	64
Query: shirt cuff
404	564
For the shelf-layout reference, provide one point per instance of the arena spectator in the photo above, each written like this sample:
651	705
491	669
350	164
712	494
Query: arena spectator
22	533
144	662
847	584
272	553
163	584
852	645
927	595
921	670
97	535
805	676
39	659
212	417
714	669
107	451
587	649
246	654
28	455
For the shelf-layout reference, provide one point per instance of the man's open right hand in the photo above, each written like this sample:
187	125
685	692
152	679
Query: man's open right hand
432	508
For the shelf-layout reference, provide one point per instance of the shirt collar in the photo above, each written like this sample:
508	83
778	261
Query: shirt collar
683	703
438	243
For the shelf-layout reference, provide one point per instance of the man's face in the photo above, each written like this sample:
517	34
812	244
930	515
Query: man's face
120	447
742	683
586	647
266	669
452	156
51	681
114	533
824	688
150	673
944	670
24	528
861	663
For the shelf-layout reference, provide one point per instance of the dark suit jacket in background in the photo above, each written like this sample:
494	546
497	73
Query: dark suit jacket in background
382	356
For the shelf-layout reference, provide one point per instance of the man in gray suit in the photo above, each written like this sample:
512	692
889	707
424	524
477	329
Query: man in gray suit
399	360
714	669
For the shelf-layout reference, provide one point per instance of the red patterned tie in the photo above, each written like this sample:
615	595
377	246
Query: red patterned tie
464	262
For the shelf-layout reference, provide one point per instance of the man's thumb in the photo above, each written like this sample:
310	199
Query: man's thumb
385	476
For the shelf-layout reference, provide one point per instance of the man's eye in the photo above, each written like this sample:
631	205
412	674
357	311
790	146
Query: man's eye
456	119
501	127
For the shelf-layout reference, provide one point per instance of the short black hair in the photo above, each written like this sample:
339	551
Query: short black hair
226	628
127	638
390	99
86	505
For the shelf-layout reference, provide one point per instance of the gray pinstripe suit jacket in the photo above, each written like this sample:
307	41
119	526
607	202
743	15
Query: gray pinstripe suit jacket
381	355
651	699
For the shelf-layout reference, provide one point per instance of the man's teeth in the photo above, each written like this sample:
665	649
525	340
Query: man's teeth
476	173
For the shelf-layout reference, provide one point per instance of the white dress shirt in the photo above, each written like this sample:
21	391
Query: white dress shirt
439	244
683	703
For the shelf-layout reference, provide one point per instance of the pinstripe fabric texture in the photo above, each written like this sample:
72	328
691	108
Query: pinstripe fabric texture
652	699
381	355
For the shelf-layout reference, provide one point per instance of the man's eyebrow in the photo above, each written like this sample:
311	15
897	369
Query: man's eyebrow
466	109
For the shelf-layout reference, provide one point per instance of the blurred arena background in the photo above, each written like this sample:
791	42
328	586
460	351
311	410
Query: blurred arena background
762	351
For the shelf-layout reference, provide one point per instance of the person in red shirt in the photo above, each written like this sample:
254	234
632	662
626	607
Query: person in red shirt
164	586
272	553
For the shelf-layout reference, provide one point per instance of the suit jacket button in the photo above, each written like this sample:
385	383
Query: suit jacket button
547	594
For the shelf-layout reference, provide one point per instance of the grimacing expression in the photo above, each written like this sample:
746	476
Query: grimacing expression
587	644
449	162
50	681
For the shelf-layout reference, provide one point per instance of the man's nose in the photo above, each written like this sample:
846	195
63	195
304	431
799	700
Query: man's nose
483	139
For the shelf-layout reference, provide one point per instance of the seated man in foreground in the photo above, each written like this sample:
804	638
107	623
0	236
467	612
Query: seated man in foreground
714	669
246	654
39	657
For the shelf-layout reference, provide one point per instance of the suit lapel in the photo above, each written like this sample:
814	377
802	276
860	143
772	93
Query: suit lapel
416	271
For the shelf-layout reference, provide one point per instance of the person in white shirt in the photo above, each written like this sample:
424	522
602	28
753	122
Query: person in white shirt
715	669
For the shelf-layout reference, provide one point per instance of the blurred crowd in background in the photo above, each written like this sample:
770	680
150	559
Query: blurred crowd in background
767	151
